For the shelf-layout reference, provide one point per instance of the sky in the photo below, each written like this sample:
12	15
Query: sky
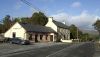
82	13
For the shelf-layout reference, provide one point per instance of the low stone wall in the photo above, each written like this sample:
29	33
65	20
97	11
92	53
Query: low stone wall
67	41
77	50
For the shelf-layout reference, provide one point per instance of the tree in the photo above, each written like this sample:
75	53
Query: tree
97	25
38	18
7	23
76	33
1	28
16	20
25	20
85	37
73	30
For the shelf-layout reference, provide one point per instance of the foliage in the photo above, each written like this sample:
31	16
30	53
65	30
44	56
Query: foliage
75	32
97	25
1	27
36	19
85	37
7	23
16	20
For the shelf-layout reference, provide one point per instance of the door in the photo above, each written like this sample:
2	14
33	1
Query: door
51	37
36	40
14	34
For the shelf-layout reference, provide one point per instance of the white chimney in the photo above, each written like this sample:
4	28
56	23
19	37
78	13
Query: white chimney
64	22
50	19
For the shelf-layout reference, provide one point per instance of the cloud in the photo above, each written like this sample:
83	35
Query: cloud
61	17
18	5
76	4
83	20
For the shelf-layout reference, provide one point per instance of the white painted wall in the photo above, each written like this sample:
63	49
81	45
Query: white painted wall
53	36
67	41
51	24
18	29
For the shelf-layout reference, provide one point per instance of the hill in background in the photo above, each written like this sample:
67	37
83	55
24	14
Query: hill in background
91	32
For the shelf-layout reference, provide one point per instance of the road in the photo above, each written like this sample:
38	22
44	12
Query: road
46	49
6	48
39	52
97	50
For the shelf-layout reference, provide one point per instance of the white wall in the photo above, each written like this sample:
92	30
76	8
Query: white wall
67	41
53	36
51	24
18	29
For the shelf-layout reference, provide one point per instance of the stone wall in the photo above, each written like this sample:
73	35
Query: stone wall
64	33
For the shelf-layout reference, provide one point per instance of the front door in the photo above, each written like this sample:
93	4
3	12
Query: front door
51	37
14	34
36	40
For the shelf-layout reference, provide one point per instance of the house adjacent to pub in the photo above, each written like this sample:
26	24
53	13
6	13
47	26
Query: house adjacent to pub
63	33
51	32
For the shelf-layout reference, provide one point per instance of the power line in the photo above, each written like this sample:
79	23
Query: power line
30	5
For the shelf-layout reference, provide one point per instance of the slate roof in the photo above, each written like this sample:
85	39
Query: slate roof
36	28
59	24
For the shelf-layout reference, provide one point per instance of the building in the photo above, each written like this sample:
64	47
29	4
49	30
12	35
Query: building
51	32
63	33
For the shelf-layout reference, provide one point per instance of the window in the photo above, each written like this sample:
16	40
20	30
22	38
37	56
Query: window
46	37
64	37
30	38
41	37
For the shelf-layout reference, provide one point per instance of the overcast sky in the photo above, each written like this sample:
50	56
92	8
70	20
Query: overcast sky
82	13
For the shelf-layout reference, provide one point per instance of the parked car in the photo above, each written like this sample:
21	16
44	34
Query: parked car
7	40
19	41
25	42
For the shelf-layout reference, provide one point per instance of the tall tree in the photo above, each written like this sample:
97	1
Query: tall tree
38	18
85	37
16	20
97	25
75	32
1	28
7	22
25	20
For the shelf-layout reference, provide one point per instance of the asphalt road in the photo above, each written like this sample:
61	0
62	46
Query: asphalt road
6	48
97	50
40	52
66	50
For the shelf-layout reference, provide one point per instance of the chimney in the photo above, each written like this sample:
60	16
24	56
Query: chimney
64	22
50	19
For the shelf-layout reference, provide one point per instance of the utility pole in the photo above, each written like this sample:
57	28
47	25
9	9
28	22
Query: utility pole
77	35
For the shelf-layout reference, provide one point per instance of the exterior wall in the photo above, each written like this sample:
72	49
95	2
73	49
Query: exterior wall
45	37
18	29
64	33
51	24
68	41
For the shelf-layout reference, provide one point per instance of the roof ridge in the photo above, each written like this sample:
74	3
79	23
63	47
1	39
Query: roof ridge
59	24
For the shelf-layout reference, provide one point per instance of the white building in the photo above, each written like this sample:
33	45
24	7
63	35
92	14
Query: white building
52	31
63	33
